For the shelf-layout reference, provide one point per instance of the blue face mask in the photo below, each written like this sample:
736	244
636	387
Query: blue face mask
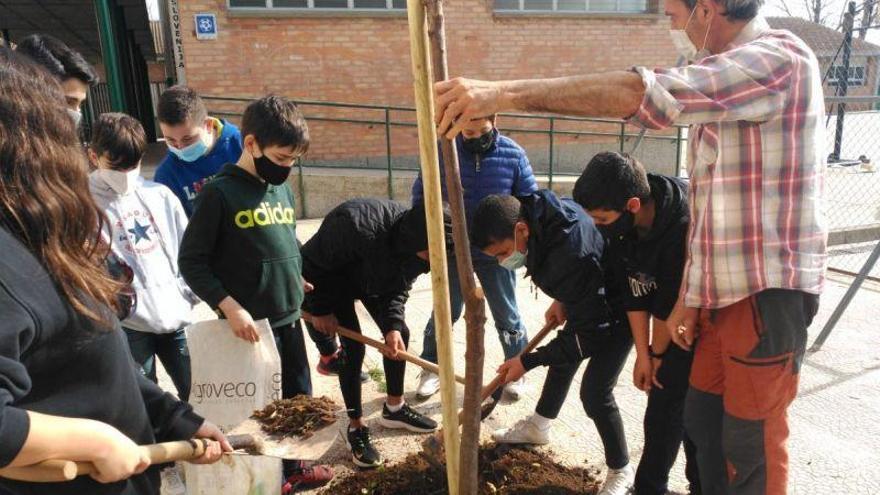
516	258
192	152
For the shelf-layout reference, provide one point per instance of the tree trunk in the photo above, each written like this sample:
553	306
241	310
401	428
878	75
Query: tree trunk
867	18
475	309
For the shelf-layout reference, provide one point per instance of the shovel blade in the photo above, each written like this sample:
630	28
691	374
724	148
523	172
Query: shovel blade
306	449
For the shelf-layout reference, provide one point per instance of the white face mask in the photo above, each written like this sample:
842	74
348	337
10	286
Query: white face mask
683	44
76	115
121	182
516	258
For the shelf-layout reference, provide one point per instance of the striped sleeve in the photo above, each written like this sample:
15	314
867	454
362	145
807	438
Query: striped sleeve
747	83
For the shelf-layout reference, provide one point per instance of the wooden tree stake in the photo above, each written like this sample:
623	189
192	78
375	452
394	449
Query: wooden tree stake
424	95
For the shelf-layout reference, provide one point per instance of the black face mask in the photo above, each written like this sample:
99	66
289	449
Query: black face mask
270	171
620	227
480	144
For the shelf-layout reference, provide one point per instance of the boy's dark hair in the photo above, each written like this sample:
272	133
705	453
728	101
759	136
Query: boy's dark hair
59	59
121	137
494	220
276	121
179	104
609	181
412	233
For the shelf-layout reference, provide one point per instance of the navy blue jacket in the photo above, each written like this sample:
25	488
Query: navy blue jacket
503	169
565	260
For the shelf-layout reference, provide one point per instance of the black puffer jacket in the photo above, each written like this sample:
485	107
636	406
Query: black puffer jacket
367	248
564	260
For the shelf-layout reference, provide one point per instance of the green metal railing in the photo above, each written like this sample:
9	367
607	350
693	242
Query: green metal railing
551	129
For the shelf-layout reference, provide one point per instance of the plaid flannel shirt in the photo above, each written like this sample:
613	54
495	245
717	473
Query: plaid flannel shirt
756	164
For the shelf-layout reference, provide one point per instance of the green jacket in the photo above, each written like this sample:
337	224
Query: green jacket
241	242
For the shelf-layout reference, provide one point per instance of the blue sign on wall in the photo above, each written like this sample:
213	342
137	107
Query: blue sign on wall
206	26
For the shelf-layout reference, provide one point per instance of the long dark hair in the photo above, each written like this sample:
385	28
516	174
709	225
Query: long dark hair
44	192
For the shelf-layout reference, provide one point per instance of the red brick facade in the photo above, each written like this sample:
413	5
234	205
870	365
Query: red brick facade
366	60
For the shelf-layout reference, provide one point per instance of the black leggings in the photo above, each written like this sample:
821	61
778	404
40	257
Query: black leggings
606	359
352	357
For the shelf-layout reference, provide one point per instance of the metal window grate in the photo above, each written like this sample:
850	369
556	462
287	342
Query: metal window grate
569	6
340	5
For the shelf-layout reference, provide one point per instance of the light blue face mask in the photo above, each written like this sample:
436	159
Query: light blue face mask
192	152
516	258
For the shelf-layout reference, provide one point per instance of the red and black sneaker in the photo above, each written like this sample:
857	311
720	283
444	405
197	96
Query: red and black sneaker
307	477
331	366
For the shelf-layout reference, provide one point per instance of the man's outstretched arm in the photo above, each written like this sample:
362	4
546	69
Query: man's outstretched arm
615	94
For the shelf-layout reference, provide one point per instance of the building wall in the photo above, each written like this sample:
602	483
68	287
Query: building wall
366	60
869	88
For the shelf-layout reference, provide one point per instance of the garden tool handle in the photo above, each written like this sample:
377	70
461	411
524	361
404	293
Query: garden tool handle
58	470
499	379
406	356
496	382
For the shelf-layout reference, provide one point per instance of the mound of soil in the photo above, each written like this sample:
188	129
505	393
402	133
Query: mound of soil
503	470
299	416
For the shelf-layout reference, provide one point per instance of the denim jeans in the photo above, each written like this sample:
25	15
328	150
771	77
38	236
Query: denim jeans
170	348
499	285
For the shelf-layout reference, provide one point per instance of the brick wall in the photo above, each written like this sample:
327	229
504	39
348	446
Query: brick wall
366	60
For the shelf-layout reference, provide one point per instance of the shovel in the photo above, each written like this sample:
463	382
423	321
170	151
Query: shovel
406	356
433	446
247	437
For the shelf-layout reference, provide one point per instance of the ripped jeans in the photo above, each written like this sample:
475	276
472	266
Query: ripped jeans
499	285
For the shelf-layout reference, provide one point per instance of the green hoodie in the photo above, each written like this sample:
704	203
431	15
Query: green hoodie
241	242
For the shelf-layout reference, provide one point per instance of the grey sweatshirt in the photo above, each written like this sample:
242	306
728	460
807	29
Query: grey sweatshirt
145	228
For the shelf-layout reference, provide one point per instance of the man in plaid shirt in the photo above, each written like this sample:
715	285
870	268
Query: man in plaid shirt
752	97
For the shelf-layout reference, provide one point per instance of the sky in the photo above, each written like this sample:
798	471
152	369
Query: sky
153	9
833	9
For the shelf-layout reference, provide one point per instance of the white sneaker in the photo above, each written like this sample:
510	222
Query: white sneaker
524	431
618	481
429	384
515	390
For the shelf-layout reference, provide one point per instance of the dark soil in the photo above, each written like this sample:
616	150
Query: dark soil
503	470
299	416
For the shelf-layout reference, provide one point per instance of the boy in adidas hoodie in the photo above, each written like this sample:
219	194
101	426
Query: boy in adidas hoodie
145	226
240	253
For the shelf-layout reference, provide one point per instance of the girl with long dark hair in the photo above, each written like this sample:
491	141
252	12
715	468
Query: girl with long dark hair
68	386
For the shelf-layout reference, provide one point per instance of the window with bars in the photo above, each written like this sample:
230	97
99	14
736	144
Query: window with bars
856	75
573	6
340	5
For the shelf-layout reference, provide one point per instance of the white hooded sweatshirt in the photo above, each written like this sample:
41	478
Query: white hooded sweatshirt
146	225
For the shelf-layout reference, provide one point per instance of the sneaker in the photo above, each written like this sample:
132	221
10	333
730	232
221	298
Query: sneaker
408	418
330	366
524	431
429	384
618	481
307	477
515	390
363	454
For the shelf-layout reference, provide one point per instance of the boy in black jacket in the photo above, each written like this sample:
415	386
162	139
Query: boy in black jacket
562	251
240	253
369	250
645	218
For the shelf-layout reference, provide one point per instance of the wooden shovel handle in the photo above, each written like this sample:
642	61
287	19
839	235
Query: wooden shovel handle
406	356
58	470
499	379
